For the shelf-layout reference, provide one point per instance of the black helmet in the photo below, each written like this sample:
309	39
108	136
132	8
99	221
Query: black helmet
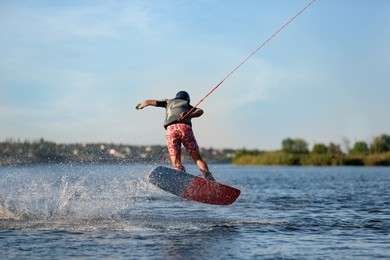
183	95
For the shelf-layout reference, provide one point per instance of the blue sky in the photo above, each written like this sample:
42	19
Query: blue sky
73	71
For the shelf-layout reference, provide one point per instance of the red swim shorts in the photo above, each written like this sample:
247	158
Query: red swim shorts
178	134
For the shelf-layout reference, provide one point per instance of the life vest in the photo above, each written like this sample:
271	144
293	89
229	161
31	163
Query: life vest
174	109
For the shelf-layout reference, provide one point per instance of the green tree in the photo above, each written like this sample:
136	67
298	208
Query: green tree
360	147
334	149
320	149
287	145
297	145
301	146
380	144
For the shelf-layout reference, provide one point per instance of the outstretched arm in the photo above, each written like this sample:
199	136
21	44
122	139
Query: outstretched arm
146	103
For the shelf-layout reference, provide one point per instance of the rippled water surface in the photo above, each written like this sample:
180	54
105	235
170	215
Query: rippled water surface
111	211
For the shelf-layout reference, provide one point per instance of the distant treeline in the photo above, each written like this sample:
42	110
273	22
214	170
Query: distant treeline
293	152
296	152
41	151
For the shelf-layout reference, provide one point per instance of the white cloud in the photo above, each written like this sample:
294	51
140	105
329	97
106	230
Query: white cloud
75	70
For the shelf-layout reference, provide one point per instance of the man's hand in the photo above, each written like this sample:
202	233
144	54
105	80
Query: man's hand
146	103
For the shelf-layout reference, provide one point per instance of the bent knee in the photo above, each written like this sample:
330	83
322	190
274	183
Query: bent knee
196	156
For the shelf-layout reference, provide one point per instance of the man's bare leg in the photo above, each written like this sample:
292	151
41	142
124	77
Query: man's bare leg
176	162
202	165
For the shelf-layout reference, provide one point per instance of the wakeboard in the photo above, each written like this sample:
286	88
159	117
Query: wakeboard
193	187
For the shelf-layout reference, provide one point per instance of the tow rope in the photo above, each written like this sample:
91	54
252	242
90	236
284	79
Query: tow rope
245	60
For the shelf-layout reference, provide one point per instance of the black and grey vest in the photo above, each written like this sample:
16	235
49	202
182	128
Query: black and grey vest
173	110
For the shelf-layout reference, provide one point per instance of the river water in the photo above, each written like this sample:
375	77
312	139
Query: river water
112	212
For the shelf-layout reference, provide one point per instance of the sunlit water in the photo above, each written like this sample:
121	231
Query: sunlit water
112	212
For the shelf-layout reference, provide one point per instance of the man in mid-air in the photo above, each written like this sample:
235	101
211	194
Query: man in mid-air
178	127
